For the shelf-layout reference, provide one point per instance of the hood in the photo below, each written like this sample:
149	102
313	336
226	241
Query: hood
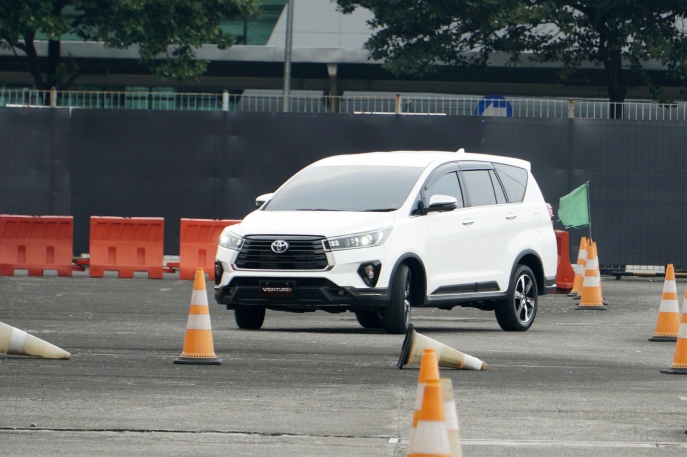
319	223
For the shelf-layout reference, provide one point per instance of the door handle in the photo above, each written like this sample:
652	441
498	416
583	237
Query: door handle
511	216
468	221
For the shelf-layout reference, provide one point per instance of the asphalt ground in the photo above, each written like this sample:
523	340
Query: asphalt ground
579	383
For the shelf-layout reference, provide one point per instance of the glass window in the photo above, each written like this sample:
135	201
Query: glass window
346	188
514	180
446	185
500	196
479	187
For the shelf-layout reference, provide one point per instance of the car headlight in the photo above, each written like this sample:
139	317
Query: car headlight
359	240
230	240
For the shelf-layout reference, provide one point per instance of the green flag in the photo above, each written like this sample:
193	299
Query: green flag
573	209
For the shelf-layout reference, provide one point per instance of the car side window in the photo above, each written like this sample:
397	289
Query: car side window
446	185
514	180
500	196
479	187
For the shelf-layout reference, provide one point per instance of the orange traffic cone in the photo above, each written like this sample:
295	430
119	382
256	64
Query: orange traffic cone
579	269
451	416
198	347
668	322
429	371
679	365
431	435
591	296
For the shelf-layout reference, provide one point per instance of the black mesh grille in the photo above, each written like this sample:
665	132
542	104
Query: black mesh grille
304	253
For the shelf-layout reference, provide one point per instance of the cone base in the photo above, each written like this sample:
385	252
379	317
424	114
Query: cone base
664	339
592	308
674	371
198	361
573	294
405	349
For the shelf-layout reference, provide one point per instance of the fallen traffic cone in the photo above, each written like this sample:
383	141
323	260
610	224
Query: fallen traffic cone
429	371
18	342
679	365
415	343
591	295
198	347
668	322
431	435
451	416
579	268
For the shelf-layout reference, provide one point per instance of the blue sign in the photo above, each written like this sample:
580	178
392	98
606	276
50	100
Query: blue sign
494	105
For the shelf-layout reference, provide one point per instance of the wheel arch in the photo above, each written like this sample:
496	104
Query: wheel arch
533	261
418	272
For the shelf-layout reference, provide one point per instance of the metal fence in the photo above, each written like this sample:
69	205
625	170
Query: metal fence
347	104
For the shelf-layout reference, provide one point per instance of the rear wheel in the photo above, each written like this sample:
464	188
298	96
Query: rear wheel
397	314
370	319
517	312
250	319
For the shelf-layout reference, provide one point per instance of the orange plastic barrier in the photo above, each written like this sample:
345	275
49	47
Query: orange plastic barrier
126	245
565	275
198	245
36	243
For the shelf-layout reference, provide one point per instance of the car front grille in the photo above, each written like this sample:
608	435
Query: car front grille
304	253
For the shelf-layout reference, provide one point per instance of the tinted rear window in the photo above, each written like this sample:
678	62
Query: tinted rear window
346	188
514	180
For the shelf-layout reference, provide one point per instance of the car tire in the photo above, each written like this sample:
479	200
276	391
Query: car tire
517	312
370	319
250	319
397	314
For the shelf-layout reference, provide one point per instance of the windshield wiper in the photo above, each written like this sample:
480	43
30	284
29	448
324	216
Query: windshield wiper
380	210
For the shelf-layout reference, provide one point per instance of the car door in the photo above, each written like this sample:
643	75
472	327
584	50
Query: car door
493	225
450	241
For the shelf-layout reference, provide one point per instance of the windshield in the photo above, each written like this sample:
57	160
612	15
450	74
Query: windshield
346	188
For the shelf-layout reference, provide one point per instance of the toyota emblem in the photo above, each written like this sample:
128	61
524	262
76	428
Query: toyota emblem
280	246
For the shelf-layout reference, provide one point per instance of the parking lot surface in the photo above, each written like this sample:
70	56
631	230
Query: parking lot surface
579	383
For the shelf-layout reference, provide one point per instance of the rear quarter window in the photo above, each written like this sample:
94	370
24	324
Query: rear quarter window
514	180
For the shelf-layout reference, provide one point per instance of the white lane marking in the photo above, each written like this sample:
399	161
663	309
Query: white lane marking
579	444
393	440
683	398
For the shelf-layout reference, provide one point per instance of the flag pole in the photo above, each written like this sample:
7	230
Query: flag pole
589	212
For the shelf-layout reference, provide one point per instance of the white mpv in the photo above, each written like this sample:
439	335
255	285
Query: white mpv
382	233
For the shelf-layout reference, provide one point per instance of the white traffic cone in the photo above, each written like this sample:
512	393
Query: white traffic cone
18	342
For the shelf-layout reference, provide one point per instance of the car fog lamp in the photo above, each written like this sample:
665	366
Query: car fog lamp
369	271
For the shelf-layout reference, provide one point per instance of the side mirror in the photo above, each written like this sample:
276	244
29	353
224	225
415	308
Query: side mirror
264	198
442	203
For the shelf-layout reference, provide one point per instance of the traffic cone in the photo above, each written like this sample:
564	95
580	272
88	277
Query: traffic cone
591	296
431	435
668	322
429	371
579	268
198	347
18	342
451	416
447	357
679	365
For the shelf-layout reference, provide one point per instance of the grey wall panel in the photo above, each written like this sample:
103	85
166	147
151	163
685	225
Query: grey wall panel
34	175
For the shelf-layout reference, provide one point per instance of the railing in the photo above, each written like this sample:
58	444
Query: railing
347	104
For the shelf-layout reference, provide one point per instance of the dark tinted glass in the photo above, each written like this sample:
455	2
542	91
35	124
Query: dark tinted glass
514	180
346	188
500	196
479	187
446	185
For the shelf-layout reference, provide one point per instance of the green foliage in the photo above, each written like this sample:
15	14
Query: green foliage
167	32
413	36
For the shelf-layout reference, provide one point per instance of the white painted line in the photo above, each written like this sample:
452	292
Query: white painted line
577	444
683	398
393	440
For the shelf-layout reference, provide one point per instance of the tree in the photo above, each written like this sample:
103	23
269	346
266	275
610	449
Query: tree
168	28
413	36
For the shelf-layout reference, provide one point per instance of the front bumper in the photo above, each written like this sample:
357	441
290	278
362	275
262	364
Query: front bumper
310	294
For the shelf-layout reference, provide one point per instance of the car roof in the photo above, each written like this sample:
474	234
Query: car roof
415	159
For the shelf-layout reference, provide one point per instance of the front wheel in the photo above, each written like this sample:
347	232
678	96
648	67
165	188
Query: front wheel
397	314
250	319
370	319
517	312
